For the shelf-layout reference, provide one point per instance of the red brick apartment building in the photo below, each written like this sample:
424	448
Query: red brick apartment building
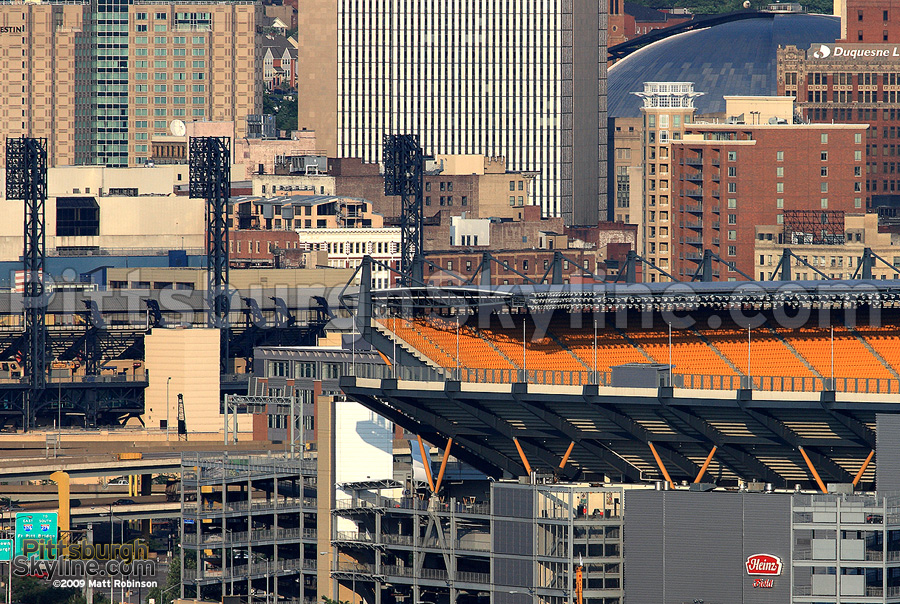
855	80
727	179
870	21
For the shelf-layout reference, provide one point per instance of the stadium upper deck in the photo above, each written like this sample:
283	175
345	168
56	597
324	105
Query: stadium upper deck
769	380
807	336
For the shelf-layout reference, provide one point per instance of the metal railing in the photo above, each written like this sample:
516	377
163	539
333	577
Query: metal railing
692	381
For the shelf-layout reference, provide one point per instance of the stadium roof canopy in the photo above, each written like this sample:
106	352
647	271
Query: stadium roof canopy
646	296
733	58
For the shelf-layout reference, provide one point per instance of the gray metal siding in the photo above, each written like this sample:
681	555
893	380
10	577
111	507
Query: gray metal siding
644	554
513	501
512	537
887	456
767	530
682	546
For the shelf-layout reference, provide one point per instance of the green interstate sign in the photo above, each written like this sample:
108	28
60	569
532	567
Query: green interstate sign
41	526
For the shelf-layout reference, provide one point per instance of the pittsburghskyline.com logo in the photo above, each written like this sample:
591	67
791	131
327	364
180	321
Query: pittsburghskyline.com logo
125	565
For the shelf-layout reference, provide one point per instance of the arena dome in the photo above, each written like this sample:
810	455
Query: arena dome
736	58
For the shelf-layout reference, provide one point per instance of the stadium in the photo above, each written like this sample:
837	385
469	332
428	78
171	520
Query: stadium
725	383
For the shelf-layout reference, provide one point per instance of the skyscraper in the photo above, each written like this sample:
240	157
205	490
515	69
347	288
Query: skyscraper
523	79
100	78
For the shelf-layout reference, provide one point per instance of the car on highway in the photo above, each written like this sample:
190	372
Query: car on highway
123	502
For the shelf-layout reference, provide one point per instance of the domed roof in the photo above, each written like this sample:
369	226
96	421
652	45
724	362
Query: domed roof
736	58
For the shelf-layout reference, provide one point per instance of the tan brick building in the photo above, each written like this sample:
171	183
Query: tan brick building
100	85
39	44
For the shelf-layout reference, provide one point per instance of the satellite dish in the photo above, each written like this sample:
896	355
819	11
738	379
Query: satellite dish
177	128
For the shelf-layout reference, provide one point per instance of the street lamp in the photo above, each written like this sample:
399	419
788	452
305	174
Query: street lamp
169	379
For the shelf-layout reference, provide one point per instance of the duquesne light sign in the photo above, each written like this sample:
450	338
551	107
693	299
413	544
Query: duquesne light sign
764	564
853	51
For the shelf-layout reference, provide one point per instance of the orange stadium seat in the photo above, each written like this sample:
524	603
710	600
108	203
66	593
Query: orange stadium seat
567	348
851	358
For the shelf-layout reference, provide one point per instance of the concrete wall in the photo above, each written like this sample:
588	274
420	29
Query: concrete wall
191	358
127	223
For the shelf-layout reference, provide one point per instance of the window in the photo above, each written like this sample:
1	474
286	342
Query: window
179	52
512	185
199	64
779	155
857	138
857	202
824	202
140	52
732	156
779	187
779	203
823	171
857	155
198	52
732	235
78	216
732	250
197	40
732	203
779	172
331	371
732	219
824	154
732	187
178	40
824	138
732	171
823	187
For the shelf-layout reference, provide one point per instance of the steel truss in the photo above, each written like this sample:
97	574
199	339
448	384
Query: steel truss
210	179
26	179
403	176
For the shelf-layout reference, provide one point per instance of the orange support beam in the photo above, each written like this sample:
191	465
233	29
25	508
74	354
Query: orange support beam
662	466
705	464
813	470
865	465
426	461
437	485
522	456
565	458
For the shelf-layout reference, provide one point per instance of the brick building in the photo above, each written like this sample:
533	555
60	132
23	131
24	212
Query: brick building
728	179
474	184
527	245
253	248
628	20
855	80
870	21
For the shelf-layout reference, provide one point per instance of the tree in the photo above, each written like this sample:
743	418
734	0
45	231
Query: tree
168	593
30	590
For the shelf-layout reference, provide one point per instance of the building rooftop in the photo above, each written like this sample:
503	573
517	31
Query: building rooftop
736	58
